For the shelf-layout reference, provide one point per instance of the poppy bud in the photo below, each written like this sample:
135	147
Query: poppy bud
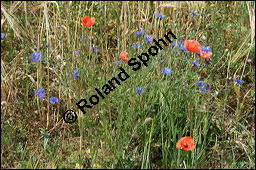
123	55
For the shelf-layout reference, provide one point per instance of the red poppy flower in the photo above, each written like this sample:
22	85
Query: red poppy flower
205	55
192	46
186	143
87	22
123	55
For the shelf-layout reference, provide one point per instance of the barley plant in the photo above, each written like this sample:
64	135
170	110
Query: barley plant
149	84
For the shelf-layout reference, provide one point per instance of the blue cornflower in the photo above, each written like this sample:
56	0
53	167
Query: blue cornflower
160	15
54	100
174	44
139	90
78	52
178	52
117	62
85	38
187	53
203	48
181	42
203	87
36	56
136	46
238	80
206	49
183	48
140	32
162	60
96	50
40	92
193	14
195	63
166	70
149	38
76	74
3	35
200	83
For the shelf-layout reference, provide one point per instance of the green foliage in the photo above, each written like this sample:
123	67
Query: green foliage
125	129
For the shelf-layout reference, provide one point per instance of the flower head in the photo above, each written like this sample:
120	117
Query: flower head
166	70
96	50
160	16
203	87
183	48
40	92
195	63
136	46
85	38
54	100
149	38
3	35
162	60
178	52
87	21
36	56
206	49
117	62
205	55
200	83
123	55
76	74
193	14
78	52
186	143
181	42
140	32
173	44
139	90
192	45
238	80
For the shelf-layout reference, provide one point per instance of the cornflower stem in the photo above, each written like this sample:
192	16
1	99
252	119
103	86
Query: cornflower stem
37	86
80	116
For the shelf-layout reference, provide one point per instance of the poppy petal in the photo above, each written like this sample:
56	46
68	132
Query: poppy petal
123	56
90	22
186	143
192	46
87	21
205	55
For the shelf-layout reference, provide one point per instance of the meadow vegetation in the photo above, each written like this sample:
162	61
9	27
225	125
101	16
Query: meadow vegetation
138	124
